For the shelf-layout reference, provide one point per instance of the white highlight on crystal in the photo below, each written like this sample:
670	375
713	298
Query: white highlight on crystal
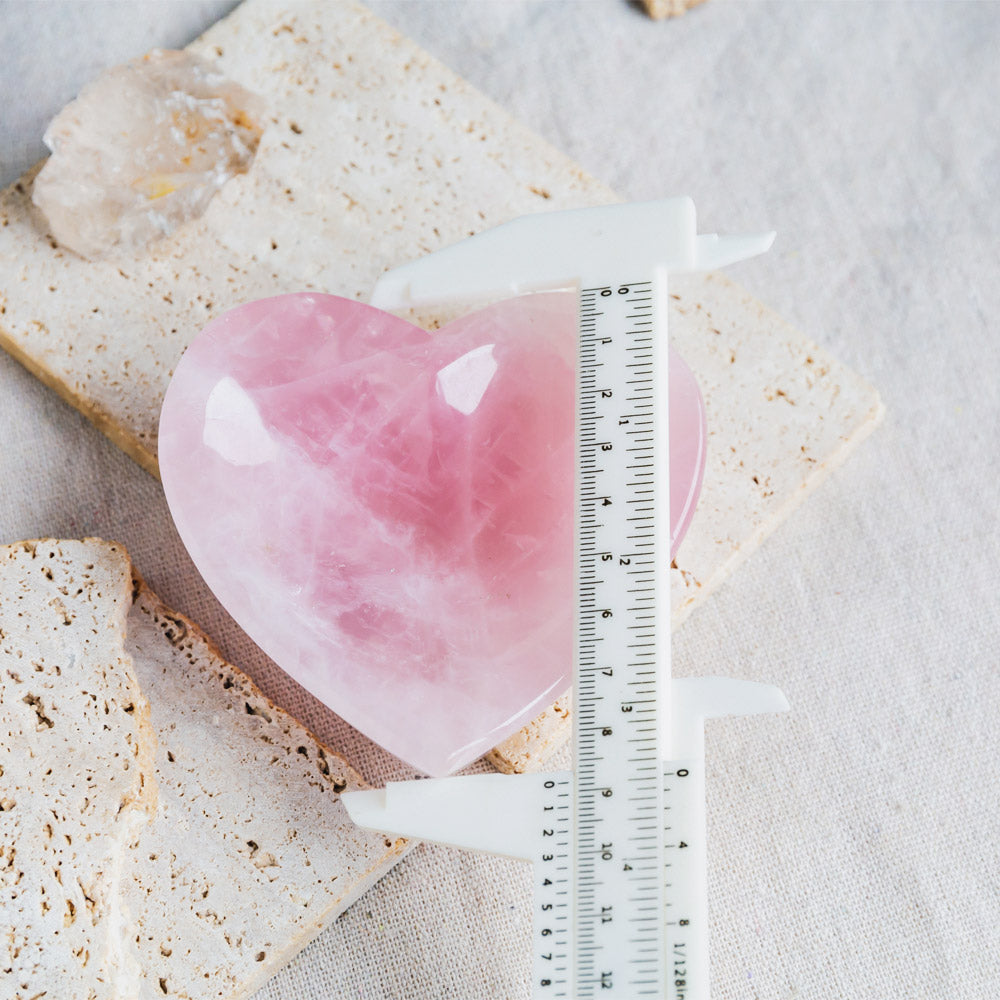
234	428
463	383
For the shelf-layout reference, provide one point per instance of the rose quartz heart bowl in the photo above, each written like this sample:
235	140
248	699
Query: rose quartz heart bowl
389	513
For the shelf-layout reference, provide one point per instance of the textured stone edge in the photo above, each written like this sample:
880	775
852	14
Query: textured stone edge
103	421
217	672
531	746
210	657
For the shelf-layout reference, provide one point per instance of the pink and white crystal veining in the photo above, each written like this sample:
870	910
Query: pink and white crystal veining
143	149
389	514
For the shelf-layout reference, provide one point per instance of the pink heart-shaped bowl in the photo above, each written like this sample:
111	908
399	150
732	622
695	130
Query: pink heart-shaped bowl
389	513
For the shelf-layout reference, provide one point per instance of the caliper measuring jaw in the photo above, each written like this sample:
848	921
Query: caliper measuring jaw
572	248
611	919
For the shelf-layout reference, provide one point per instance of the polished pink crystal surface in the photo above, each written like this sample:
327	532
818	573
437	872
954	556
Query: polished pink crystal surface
389	513
687	447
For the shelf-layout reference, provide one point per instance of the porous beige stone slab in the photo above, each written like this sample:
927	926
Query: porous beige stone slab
250	854
375	153
76	771
165	831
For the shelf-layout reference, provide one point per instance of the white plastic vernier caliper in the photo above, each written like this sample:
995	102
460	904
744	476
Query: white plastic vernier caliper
618	843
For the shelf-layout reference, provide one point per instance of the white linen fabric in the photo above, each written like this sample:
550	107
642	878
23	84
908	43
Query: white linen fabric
853	843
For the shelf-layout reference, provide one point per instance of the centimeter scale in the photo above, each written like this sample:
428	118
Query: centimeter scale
618	843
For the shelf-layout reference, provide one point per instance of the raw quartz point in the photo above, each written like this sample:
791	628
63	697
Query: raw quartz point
389	514
142	150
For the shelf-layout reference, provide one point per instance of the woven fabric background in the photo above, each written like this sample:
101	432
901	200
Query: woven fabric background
853	843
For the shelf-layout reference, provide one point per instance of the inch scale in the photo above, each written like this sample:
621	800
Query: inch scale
618	842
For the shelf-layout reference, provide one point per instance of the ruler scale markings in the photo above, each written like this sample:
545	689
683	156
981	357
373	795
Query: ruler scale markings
621	854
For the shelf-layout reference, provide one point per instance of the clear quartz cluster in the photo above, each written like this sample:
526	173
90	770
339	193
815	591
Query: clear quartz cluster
142	150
